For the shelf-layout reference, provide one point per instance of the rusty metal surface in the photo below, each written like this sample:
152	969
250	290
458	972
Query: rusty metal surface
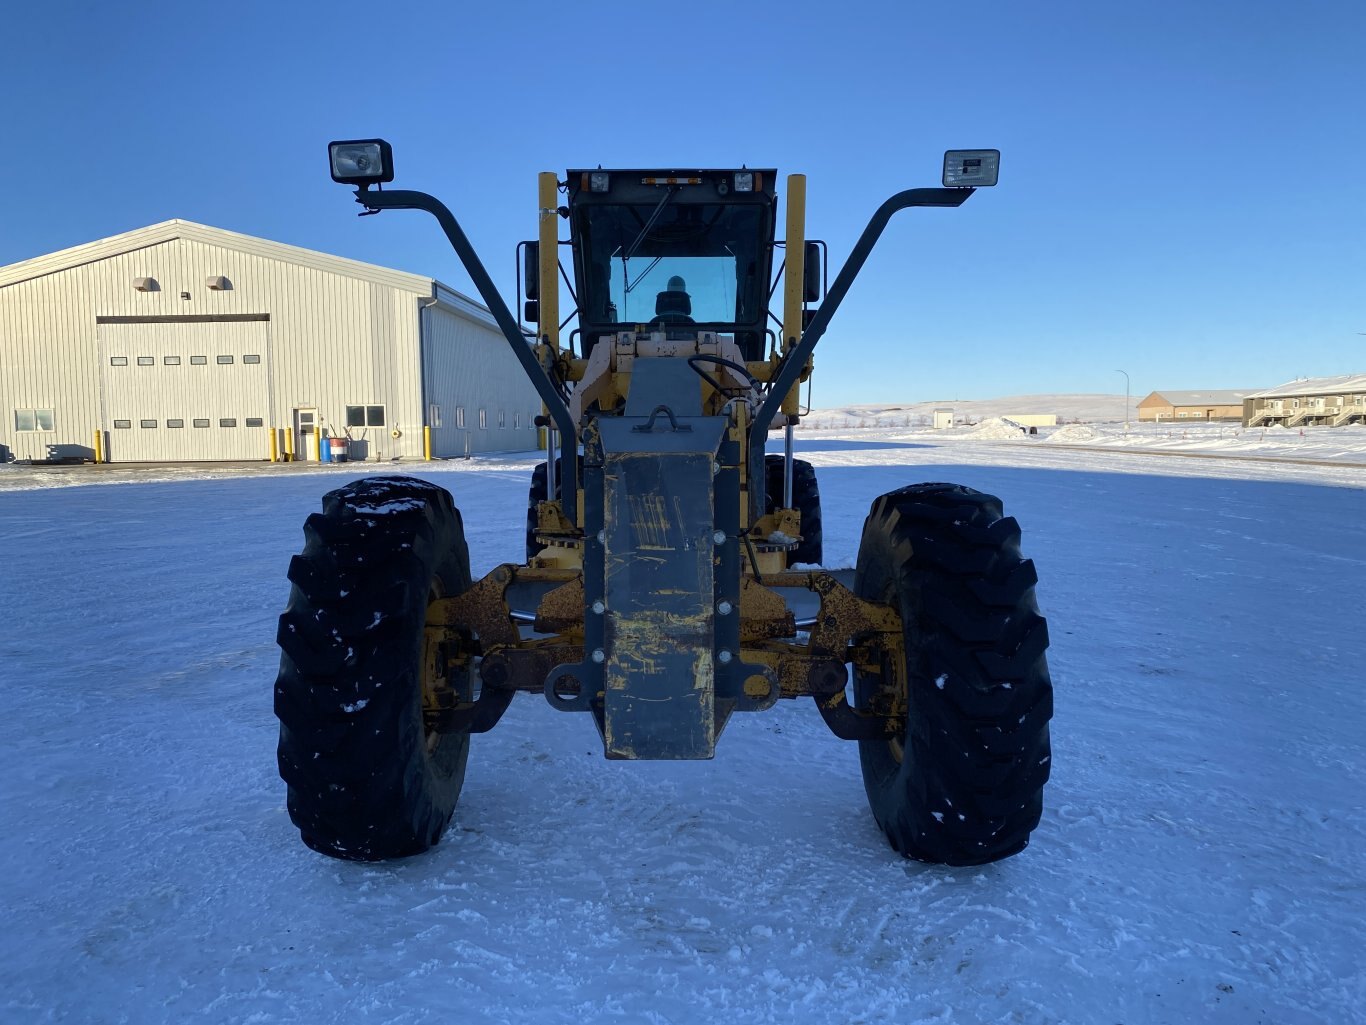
482	610
525	668
561	610
763	613
847	628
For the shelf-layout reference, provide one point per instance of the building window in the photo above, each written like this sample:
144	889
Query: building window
502	419
147	361
364	416
118	361
251	358
200	423
433	415
228	421
255	421
171	361
198	361
1182	415
460	417
483	420
123	425
223	360
34	420
175	423
516	421
147	424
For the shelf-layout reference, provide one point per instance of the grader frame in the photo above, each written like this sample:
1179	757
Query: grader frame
658	601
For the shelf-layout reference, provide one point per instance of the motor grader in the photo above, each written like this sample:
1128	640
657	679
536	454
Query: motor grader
673	573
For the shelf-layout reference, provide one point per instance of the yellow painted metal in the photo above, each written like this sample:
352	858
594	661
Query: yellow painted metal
274	445
289	445
427	444
549	282
794	274
317	444
99	448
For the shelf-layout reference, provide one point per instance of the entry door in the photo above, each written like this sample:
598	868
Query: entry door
305	427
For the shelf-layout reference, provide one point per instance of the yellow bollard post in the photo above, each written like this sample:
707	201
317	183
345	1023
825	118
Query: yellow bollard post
427	444
274	445
99	448
289	445
317	445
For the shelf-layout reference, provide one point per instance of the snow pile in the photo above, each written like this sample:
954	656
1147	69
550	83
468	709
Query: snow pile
1072	434
995	429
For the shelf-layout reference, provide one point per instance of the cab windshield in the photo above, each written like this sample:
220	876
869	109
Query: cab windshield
708	251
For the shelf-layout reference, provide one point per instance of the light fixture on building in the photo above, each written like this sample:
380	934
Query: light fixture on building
218	283
146	285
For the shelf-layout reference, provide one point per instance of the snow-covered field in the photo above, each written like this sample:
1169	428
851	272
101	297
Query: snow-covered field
1202	856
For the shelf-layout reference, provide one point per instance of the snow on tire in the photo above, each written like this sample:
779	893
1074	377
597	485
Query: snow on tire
964	784
366	779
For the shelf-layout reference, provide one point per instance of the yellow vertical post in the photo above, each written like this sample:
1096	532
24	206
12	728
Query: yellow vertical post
289	445
274	445
794	274
548	283
317	444
99	448
427	444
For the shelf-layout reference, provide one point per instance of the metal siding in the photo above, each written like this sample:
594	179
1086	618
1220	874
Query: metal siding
335	337
469	364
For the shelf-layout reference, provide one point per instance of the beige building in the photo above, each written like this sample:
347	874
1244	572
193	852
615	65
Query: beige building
1200	406
1324	401
183	342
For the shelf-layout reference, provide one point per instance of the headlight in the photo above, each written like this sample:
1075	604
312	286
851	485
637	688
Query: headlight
361	161
971	168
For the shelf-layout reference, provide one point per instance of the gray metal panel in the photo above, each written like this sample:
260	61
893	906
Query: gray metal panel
469	366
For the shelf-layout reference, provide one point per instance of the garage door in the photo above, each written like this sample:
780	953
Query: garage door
186	390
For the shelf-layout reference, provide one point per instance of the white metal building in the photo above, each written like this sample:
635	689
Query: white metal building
180	341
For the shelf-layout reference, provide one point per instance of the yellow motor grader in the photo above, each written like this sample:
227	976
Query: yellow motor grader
673	574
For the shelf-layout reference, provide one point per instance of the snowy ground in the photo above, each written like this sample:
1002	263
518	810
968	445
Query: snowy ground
1202	856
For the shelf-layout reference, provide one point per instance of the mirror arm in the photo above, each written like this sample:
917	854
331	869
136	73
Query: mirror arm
790	369
402	199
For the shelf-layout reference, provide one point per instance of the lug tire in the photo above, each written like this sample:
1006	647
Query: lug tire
806	499
365	781
964	785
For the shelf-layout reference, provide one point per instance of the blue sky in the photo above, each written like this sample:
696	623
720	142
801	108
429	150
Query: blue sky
1183	189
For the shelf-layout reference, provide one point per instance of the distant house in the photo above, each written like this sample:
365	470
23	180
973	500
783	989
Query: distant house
1328	401
1201	406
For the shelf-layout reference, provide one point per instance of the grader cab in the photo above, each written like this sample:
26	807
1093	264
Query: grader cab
673	571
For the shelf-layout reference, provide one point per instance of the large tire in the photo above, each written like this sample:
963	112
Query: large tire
964	783
806	499
367	779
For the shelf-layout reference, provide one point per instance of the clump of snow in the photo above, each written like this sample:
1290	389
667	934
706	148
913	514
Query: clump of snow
393	505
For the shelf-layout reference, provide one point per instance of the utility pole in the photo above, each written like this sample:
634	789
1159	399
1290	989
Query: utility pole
1126	400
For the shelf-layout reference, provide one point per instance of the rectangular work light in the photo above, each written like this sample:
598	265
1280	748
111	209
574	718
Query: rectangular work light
971	168
361	161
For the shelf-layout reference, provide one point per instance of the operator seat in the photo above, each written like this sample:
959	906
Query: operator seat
673	305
